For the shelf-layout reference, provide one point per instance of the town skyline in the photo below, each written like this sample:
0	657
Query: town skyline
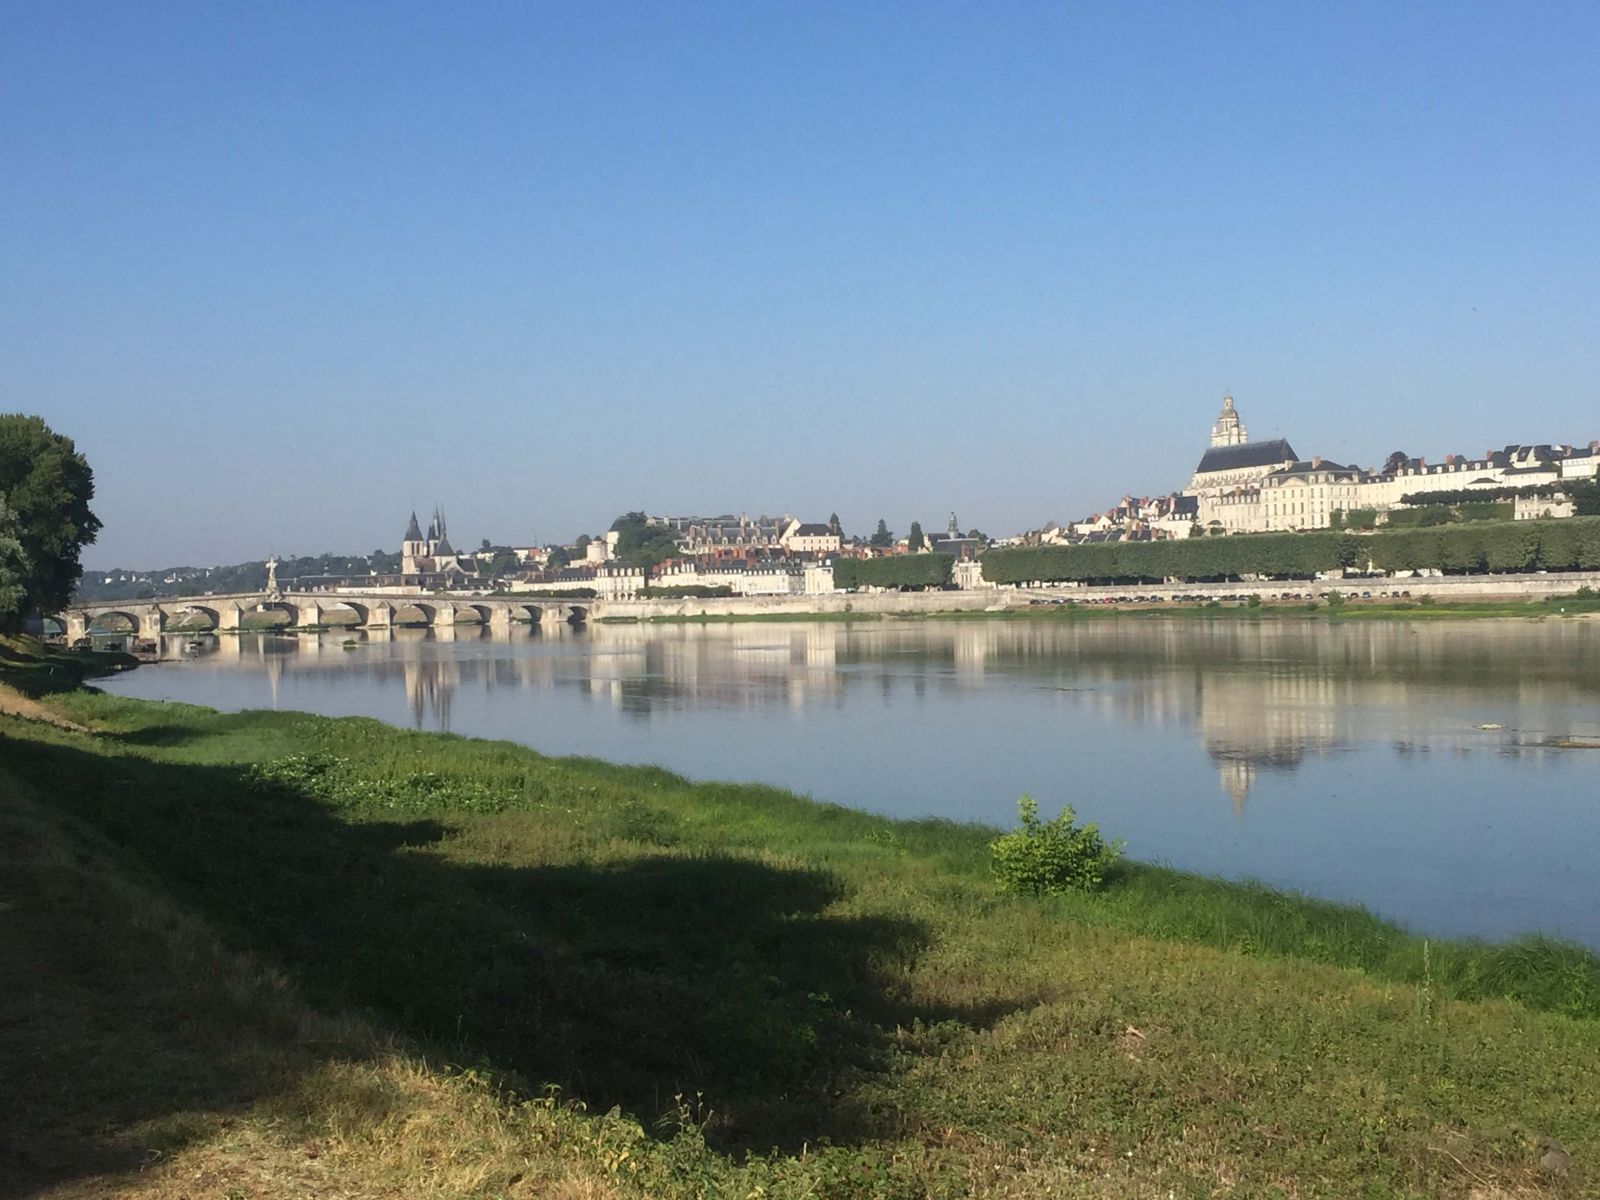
277	277
1218	495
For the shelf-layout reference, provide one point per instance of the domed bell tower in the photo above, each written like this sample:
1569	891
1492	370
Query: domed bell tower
1229	429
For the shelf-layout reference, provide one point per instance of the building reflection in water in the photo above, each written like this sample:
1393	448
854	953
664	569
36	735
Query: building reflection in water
1260	696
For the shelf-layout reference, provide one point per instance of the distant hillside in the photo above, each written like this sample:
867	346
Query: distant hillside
124	584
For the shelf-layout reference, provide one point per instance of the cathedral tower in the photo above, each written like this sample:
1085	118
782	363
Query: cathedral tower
1229	429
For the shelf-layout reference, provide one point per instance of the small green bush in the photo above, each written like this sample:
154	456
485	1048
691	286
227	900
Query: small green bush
1045	858
1253	600
1335	598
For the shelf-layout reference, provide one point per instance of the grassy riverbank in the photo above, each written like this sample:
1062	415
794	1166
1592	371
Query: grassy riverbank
280	954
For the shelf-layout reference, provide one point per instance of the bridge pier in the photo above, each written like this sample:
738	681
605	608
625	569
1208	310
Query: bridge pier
500	618
308	613
152	624
380	616
228	617
77	625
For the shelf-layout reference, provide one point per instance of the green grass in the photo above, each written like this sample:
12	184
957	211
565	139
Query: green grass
771	996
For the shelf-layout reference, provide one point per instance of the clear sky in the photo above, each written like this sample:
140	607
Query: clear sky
286	271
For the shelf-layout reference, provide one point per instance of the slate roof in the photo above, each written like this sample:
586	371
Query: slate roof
1309	468
413	534
813	531
1249	454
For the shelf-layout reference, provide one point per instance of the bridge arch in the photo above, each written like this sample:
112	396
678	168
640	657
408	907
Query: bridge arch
577	614
363	612
415	612
99	622
287	607
180	615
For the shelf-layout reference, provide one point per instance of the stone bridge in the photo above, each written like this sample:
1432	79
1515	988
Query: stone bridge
372	609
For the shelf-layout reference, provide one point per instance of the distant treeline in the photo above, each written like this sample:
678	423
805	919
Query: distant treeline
1474	548
240	577
894	571
1478	495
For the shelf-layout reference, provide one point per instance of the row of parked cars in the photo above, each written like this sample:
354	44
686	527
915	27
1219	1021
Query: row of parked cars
1225	598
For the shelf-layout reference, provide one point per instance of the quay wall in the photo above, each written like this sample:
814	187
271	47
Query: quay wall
1441	588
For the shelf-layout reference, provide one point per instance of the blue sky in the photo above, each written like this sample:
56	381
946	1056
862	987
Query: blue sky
287	271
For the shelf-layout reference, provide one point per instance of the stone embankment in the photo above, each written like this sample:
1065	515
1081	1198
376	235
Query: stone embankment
1442	588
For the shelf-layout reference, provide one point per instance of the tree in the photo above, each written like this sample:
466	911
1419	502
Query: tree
915	541
13	569
582	544
1395	461
978	536
641	543
486	545
834	526
47	486
881	539
558	557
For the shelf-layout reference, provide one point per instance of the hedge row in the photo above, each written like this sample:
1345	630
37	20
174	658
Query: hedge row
894	571
1564	545
691	591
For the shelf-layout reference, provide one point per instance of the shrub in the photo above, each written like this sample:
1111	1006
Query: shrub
1044	858
1253	600
1335	598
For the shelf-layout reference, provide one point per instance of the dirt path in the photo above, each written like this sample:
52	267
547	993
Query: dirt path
14	704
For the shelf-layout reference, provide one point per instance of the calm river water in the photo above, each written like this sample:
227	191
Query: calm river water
1409	767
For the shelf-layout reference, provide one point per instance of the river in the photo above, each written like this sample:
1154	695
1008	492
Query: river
1413	767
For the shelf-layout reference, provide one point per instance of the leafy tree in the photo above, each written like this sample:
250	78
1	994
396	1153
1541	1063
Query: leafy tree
1395	461
486	545
641	544
582	543
13	568
978	536
881	537
558	557
834	526
47	485
916	542
503	563
894	571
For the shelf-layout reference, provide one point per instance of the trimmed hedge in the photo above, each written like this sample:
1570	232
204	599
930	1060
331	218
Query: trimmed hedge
895	571
692	591
1564	545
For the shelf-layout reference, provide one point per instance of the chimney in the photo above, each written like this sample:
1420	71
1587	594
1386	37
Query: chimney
1316	460
1450	460
1595	445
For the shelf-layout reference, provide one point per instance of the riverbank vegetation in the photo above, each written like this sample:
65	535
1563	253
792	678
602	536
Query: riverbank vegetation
271	953
894	571
1479	547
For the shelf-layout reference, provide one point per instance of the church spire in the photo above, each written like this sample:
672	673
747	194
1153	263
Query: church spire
1229	429
413	532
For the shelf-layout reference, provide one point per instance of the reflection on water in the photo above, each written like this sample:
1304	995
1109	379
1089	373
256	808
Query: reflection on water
1411	766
